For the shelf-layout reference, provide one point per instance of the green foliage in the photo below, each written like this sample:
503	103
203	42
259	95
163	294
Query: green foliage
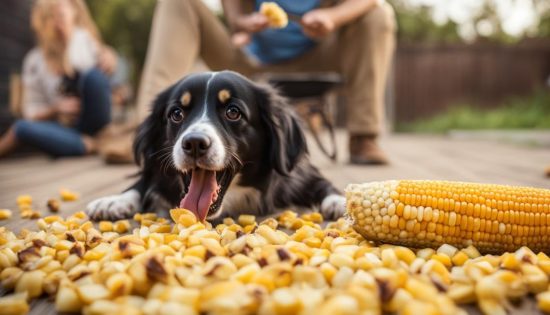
544	25
518	113
416	24
125	25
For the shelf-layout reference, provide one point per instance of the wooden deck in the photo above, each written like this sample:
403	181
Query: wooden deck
413	157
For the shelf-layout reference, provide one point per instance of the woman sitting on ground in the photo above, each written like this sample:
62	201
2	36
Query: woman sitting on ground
66	93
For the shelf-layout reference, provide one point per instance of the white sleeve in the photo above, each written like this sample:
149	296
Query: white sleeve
34	96
82	51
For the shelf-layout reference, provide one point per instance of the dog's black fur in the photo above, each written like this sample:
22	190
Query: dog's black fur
265	151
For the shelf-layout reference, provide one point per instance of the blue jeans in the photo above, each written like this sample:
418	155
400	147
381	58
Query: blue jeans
58	140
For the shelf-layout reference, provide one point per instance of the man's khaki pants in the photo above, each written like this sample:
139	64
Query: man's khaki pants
184	30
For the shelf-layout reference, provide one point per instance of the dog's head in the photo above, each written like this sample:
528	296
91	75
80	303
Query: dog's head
209	127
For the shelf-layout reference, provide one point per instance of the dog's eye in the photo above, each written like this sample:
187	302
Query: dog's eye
176	115
233	113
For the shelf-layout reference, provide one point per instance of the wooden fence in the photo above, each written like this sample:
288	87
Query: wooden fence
430	78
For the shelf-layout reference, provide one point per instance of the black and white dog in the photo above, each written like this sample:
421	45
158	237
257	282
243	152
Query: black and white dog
220	145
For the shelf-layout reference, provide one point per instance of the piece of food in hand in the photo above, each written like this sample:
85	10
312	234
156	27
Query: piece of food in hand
67	195
276	16
422	213
53	205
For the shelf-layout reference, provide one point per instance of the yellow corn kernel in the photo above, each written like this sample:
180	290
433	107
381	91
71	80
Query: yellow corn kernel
404	254
339	304
509	261
160	228
492	307
398	301
543	301
219	267
312	242
67	195
425	253
286	302
246	273
31	282
92	292
459	258
67	300
418	307
24	200
462	293
535	278
119	284
5	214
250	228
105	226
121	226
471	251
444	259
15	304
328	271
30	214
197	251
447	249
86	226
246	219
52	281
9	277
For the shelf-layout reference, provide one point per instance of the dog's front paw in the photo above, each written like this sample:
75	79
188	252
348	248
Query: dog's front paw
114	207
333	207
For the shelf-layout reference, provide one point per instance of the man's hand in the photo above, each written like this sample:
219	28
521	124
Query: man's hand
245	25
318	23
251	23
107	60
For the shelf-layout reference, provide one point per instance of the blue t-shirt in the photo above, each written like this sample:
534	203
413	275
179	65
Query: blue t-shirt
275	45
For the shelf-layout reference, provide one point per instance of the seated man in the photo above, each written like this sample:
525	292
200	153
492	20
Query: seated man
352	37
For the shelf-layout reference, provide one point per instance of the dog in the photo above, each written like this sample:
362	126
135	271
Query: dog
221	145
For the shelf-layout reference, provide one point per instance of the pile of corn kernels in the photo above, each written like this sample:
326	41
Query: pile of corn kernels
245	267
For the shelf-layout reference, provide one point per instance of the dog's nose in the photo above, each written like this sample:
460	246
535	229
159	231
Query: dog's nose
196	144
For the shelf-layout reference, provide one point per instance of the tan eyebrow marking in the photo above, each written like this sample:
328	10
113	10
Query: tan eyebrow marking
186	98
224	95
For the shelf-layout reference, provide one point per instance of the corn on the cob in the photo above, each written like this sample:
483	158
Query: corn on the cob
493	218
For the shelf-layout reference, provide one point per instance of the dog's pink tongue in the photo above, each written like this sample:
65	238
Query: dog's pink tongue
202	192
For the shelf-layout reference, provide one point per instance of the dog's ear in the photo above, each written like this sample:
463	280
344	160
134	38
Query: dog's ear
287	143
151	134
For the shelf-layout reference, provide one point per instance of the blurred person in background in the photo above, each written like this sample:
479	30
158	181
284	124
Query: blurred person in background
66	93
355	38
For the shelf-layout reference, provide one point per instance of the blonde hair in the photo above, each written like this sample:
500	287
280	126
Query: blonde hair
49	40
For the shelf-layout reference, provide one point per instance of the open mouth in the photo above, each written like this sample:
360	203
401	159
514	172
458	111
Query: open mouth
205	191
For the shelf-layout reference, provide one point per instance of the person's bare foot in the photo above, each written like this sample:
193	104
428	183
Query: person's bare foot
8	142
364	150
90	144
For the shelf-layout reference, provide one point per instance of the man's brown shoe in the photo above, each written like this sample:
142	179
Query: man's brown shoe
364	150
